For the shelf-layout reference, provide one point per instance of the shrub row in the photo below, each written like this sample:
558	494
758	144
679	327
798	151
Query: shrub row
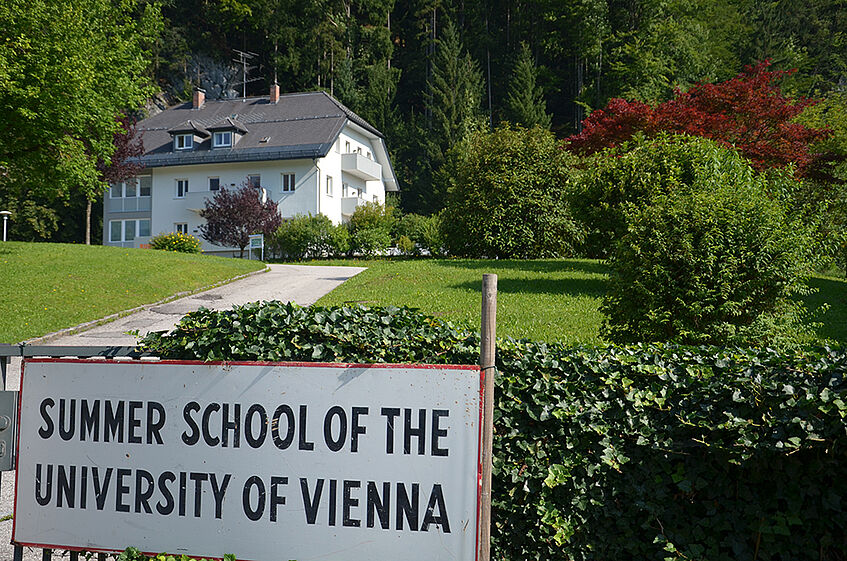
639	452
372	230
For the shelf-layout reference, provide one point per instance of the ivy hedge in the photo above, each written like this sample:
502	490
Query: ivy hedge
133	554
608	453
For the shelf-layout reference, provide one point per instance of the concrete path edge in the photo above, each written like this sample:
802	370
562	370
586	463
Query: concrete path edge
117	315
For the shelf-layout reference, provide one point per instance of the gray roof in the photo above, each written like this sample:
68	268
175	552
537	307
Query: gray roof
189	126
299	125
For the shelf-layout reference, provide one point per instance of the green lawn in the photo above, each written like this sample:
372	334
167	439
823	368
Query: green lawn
547	300
46	287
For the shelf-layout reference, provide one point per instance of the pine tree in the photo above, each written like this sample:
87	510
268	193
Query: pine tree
454	91
454	97
525	103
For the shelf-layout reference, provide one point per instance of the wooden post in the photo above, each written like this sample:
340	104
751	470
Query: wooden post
488	346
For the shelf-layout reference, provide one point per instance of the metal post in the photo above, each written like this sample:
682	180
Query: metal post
487	356
5	214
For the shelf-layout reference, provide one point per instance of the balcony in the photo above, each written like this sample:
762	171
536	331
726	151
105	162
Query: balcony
349	204
127	204
361	167
196	201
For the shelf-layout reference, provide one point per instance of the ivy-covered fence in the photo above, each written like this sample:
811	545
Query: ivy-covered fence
640	452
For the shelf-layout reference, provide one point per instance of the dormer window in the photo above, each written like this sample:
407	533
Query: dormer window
222	139
183	135
183	141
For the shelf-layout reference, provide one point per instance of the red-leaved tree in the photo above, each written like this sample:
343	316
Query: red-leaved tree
233	214
122	165
748	112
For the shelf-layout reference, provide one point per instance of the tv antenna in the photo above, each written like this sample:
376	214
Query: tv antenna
243	59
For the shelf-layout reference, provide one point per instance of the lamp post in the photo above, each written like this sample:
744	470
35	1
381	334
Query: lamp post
5	214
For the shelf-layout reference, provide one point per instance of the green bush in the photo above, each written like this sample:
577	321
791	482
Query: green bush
615	182
310	236
641	452
176	241
716	264
507	196
405	245
424	231
370	229
285	331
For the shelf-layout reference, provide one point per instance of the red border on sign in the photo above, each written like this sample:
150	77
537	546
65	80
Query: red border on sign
166	362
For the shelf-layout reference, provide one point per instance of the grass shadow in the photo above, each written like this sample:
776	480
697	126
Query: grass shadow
533	266
834	320
594	288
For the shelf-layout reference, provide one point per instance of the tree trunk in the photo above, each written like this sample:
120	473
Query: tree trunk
88	222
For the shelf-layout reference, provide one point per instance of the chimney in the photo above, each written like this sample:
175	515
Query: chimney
274	93
199	98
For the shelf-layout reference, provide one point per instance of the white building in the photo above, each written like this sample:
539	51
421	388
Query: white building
309	152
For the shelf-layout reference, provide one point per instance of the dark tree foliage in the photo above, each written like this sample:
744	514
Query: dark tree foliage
122	163
232	215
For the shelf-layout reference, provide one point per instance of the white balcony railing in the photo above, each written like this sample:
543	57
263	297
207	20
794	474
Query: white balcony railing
349	204
127	204
361	167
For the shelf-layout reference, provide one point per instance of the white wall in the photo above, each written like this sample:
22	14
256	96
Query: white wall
168	210
367	189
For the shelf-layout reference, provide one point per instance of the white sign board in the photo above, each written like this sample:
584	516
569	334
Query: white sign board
265	461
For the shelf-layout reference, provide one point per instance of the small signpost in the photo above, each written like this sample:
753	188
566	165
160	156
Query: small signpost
257	241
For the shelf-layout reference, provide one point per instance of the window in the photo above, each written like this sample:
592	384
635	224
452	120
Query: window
115	229
184	141
376	199
181	228
370	156
128	230
345	190
254	180
287	182
181	188
359	150
145	185
222	139
329	186
214	183
347	147
132	188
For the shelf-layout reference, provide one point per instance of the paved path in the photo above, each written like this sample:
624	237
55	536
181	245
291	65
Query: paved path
289	283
